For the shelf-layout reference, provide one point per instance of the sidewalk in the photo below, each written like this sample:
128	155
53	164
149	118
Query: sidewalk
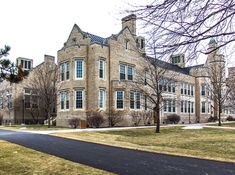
99	129
185	126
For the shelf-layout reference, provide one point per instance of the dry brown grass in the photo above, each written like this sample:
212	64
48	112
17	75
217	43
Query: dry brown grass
206	143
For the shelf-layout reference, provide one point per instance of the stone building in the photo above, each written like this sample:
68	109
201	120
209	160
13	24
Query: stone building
95	73
18	103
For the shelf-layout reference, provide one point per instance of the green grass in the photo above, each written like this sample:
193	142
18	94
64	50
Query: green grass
205	143
231	124
18	160
32	127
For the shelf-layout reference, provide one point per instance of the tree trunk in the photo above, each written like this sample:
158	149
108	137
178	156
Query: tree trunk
157	116
220	115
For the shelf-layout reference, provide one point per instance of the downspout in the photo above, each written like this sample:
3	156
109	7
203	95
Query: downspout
109	80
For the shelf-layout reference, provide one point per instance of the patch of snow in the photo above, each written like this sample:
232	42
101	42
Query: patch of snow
193	127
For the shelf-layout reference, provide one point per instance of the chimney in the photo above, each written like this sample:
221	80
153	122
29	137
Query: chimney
130	22
49	58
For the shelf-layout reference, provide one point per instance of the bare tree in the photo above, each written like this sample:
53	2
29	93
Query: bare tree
152	80
217	85
44	82
184	25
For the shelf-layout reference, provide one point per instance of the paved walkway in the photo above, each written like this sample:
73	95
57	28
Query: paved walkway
117	160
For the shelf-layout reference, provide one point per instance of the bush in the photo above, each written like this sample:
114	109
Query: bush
147	117
115	117
212	119
230	118
95	119
173	119
74	122
1	119
136	118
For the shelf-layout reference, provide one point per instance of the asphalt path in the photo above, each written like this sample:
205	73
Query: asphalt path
117	160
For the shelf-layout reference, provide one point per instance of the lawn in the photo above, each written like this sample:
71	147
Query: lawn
206	143
32	127
18	160
230	124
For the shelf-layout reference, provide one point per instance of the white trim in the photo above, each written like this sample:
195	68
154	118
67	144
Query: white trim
83	100
123	96
103	100
75	69
104	64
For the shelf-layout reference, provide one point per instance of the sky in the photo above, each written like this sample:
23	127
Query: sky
34	28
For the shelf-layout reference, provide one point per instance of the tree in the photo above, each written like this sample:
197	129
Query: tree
8	71
217	85
114	117
152	80
44	82
184	25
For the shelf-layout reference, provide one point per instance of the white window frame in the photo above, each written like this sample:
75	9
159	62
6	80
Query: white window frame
201	107
103	100
132	72
124	71
75	69
67	69
123	96
103	63
83	101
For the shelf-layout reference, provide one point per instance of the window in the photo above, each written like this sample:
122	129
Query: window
126	44
173	106
203	90
145	102
173	87
66	100
120	100
132	100
122	72
9	99
192	90
169	105
203	107
209	107
182	106
165	106
185	89
145	77
185	106
79	99
189	89
27	101
192	107
62	72
62	100
141	43
182	88
137	98
67	70
101	99
101	68
189	106
78	69
130	72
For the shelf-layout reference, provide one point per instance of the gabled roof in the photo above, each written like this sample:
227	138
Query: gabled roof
170	66
96	39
